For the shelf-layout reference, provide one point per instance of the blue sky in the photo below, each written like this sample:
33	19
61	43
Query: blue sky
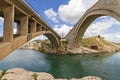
62	15
41	5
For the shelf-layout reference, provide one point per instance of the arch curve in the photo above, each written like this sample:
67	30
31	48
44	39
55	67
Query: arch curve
90	18
101	8
55	41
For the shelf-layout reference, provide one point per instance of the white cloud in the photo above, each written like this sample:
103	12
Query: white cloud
114	37
62	30
1	26
1	20
41	37
14	31
101	27
72	12
51	14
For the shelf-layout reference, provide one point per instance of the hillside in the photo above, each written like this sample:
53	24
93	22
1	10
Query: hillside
100	44
87	46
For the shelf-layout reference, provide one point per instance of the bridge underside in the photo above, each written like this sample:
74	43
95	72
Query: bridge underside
7	47
29	25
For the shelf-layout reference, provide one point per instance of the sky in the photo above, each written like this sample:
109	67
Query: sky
62	15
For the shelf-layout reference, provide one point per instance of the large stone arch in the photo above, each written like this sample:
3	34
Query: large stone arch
101	8
55	41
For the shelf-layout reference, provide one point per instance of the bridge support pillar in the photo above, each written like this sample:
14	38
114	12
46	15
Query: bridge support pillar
39	28
24	26
33	27
8	24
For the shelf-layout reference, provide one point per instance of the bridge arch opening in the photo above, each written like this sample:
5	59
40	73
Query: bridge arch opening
90	18
54	42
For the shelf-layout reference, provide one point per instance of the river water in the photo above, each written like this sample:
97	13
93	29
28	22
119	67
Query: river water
106	66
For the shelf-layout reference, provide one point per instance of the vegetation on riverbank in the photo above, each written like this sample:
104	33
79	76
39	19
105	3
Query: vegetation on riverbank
95	44
100	44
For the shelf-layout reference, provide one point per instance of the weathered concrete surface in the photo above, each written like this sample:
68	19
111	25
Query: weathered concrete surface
24	26
5	49
33	27
101	8
19	41
22	74
27	20
8	24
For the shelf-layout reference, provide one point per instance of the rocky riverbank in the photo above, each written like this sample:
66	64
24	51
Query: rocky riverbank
87	46
22	74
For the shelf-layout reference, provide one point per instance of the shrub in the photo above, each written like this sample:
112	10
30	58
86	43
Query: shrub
41	49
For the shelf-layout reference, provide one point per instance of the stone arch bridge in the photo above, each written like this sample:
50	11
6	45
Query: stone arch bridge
101	8
29	25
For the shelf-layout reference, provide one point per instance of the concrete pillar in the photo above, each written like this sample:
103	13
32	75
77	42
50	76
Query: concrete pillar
18	28
24	26
8	24
39	28
33	27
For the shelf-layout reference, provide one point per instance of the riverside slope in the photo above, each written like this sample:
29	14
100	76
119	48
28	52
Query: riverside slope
87	46
95	45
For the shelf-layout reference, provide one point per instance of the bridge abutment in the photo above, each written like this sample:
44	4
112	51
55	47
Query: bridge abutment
8	24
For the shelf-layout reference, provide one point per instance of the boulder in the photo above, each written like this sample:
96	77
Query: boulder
44	76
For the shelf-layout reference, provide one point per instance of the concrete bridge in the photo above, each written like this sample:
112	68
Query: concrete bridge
101	8
29	25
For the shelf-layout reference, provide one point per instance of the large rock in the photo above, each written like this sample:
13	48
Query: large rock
22	74
13	76
88	78
17	71
44	76
17	74
60	79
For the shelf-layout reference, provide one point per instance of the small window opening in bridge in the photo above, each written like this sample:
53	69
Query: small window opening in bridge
15	30
29	28
1	28
104	30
